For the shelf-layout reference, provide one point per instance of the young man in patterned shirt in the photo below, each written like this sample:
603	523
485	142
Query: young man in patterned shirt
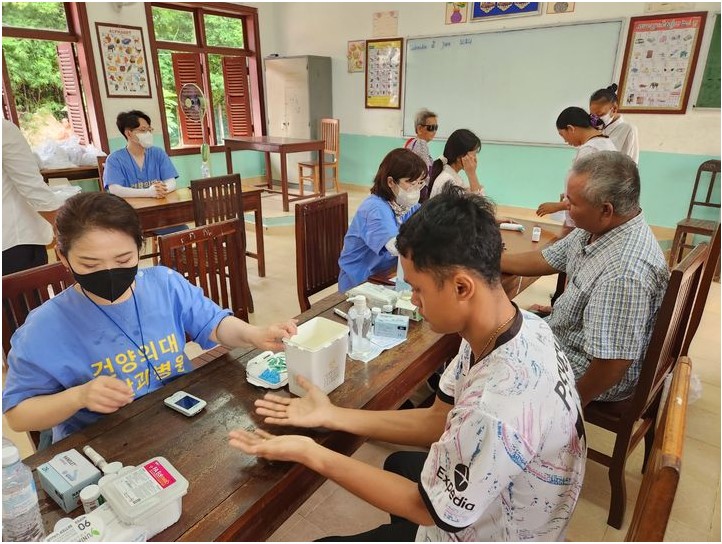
506	435
617	277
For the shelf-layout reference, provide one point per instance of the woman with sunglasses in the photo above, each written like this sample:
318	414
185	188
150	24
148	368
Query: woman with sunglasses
460	153
370	243
426	126
139	169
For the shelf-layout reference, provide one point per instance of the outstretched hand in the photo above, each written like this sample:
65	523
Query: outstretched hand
274	448
313	410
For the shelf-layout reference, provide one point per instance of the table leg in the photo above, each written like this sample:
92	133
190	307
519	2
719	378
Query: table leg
260	251
321	172
229	160
269	173
284	181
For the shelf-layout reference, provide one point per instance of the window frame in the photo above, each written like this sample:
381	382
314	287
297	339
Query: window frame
78	33
251	51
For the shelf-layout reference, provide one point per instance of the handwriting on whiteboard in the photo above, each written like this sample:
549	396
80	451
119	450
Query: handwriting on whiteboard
440	44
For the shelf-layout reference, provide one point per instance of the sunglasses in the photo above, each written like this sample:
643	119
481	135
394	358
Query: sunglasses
431	128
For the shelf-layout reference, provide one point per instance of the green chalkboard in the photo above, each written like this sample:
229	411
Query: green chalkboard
709	92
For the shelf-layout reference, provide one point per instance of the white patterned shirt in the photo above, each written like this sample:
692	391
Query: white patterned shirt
510	463
624	136
614	289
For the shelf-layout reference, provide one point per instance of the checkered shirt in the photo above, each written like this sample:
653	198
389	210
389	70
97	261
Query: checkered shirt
608	309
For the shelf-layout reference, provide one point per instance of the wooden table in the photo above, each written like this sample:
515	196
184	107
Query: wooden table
233	496
177	208
283	146
73	173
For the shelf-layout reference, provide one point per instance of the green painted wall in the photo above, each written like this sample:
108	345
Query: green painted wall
525	176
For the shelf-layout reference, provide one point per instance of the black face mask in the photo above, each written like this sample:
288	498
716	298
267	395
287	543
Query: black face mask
107	284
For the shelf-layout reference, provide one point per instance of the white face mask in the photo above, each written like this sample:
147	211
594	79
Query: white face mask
407	198
145	139
608	118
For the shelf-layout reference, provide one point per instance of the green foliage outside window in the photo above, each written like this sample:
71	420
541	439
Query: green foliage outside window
39	15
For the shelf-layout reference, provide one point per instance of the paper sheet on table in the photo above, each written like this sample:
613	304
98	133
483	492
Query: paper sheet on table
378	345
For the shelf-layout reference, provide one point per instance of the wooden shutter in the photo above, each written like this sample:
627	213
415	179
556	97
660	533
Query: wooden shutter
238	103
72	91
187	69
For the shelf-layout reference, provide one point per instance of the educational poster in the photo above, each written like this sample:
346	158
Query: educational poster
481	11
560	7
125	66
356	56
383	73
455	13
659	62
385	24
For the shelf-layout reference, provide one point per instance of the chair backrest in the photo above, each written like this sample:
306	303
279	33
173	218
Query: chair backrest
670	327
713	167
321	226
330	135
101	172
23	291
705	283
213	258
217	199
659	484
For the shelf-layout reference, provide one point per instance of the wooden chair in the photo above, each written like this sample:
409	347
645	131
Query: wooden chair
330	135
220	198
213	258
101	171
24	291
659	485
689	225
705	283
321	226
634	418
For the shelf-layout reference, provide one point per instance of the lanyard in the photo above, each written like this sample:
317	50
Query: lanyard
140	326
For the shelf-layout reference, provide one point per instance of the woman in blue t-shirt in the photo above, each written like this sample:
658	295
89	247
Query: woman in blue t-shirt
139	169
370	243
115	335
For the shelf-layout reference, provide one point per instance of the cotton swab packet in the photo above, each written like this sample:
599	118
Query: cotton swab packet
267	370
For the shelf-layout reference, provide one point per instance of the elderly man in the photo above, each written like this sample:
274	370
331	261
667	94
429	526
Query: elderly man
617	277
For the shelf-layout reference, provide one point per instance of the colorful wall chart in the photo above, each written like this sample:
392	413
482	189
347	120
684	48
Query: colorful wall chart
125	66
383	73
481	11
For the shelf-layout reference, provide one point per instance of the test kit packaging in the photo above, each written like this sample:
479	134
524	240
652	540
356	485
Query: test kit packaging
318	353
100	525
404	307
149	496
64	477
391	326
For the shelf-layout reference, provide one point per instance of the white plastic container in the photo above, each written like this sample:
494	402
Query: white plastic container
149	496
318	353
100	525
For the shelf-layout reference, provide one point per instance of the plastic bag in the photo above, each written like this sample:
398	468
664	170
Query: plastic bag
695	390
67	153
52	155
66	191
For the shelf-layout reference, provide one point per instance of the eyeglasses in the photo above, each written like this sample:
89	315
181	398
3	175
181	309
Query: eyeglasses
431	128
143	129
418	184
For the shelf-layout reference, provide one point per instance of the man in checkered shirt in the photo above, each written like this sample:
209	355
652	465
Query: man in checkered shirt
616	273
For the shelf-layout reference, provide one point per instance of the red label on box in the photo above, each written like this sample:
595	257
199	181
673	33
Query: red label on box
159	474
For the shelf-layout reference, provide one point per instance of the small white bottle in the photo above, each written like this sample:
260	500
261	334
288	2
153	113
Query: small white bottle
536	233
375	311
359	323
388	309
21	518
91	498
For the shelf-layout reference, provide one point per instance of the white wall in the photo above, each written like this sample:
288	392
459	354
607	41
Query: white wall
324	28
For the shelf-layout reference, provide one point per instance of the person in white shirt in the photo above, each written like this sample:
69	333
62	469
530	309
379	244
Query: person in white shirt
460	153
29	205
505	435
582	130
604	104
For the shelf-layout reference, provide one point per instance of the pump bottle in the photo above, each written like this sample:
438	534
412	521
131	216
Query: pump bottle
359	323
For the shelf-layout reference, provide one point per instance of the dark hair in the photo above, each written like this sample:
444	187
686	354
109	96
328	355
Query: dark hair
578	117
605	95
130	120
455	229
86	211
460	142
398	163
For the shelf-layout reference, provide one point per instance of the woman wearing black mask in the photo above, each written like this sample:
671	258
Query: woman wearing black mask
115	335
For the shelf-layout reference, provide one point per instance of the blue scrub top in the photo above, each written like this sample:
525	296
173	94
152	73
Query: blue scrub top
121	168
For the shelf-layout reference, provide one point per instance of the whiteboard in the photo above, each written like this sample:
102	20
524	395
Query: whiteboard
508	86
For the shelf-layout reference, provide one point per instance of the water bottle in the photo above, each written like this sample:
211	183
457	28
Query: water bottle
402	287
205	170
21	516
359	322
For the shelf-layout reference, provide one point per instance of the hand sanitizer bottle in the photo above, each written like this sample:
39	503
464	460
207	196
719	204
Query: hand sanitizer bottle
401	286
359	323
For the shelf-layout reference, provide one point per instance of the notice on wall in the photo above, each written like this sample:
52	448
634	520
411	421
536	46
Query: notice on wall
385	24
383	73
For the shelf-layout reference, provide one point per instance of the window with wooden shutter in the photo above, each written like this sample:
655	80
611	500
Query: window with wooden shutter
187	69
72	91
238	102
